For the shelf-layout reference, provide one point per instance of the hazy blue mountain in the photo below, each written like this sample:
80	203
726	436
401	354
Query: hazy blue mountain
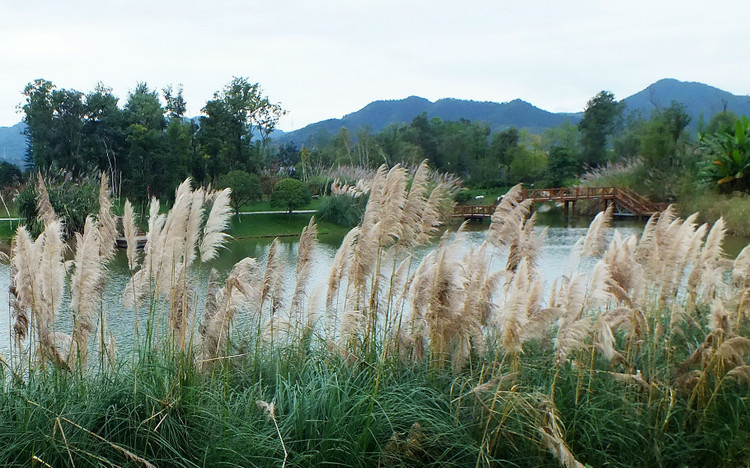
700	100
13	144
379	114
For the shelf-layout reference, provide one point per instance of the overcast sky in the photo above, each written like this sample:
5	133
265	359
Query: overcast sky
323	59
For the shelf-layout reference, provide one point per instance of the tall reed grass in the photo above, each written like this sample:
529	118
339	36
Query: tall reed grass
636	357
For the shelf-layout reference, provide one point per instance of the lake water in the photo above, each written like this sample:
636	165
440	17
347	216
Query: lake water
553	263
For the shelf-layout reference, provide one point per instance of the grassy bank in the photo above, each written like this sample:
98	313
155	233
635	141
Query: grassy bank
734	208
167	412
278	225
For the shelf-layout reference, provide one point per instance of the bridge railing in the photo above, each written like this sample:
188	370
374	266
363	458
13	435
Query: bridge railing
473	210
568	193
631	201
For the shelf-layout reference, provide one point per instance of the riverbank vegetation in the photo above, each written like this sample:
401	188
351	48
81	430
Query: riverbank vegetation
638	356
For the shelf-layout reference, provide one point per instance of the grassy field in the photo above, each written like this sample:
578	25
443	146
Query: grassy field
265	205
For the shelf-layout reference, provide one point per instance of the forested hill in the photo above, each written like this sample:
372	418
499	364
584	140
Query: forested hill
700	100
378	114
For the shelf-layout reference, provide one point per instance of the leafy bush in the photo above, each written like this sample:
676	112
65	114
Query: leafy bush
462	196
72	200
319	185
342	209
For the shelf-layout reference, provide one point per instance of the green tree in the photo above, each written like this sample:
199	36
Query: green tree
176	105
661	137
727	157
600	119
562	166
232	117
290	194
10	175
245	187
527	165
723	121
104	129
148	168
55	119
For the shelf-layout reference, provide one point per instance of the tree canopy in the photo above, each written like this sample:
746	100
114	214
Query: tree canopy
245	187
290	194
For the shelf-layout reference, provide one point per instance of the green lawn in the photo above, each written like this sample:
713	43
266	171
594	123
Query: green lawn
265	205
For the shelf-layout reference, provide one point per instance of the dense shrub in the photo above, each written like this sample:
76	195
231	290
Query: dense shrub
342	209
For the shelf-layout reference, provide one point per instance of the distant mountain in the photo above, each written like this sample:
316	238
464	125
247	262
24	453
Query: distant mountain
13	144
379	114
699	99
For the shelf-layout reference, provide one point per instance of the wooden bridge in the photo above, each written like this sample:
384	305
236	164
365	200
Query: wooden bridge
625	201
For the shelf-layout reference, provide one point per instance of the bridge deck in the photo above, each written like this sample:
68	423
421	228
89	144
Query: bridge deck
625	199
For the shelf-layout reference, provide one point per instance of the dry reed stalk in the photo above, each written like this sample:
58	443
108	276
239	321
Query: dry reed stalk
339	269
106	222
305	253
194	221
85	285
39	276
45	212
273	272
222	304
508	218
551	431
130	231
23	272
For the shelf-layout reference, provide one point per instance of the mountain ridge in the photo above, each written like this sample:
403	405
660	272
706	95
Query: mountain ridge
701	100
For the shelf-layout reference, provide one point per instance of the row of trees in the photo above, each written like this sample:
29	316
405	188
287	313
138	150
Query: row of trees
148	145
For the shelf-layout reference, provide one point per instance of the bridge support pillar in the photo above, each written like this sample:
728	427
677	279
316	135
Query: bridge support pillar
565	211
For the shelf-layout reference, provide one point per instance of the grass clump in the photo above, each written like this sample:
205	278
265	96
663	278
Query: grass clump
638	356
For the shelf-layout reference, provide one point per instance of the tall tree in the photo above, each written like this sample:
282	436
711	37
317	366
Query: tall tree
104	128
146	170
55	119
232	117
600	119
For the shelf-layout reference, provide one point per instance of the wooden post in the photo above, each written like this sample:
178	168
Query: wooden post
573	207
565	211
